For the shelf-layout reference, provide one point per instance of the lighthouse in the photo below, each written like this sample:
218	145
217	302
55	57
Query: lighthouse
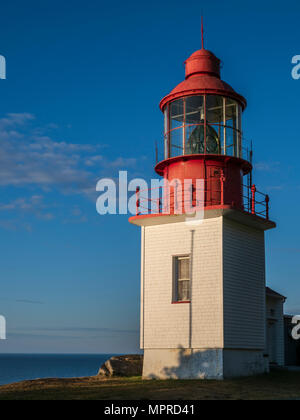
203	286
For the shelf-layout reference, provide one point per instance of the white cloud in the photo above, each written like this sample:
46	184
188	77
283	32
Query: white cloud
15	120
35	164
30	159
32	205
267	166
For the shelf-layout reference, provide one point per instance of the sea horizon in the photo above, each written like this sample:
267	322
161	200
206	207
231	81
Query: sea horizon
18	367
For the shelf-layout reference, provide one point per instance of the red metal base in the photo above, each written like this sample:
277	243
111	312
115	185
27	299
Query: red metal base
222	177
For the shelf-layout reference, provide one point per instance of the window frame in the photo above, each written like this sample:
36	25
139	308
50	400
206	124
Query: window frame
176	279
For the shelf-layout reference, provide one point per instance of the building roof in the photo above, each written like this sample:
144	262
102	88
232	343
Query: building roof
273	294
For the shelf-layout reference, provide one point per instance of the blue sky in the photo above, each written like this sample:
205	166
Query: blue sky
80	102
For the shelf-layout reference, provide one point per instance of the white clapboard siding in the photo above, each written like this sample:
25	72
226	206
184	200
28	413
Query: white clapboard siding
167	325
244	286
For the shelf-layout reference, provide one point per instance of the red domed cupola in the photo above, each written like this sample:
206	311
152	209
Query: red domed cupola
202	62
202	76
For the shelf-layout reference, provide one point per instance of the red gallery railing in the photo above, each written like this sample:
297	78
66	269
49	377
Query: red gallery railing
256	202
164	200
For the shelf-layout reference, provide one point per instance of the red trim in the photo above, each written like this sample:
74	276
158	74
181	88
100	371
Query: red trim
195	92
148	216
159	168
224	207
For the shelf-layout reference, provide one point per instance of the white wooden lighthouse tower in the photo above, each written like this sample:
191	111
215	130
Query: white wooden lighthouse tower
203	278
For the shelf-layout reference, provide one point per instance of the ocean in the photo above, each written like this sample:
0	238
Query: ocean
21	367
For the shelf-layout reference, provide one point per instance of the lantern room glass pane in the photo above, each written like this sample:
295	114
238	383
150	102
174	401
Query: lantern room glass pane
214	120
214	109
194	139
166	147
231	142
166	116
177	113
194	110
213	140
231	113
239	134
239	119
194	125
176	142
232	125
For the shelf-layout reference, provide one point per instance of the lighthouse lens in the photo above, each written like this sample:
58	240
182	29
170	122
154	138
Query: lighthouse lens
211	145
195	144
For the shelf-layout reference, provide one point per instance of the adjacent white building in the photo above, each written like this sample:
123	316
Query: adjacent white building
275	348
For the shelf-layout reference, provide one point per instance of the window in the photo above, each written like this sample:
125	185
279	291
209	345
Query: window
181	279
176	127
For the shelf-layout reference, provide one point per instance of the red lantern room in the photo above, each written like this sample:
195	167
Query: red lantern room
203	141
203	132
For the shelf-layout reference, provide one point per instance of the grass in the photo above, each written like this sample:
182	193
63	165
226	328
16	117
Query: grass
277	385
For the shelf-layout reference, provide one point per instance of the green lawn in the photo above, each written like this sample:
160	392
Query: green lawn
277	385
